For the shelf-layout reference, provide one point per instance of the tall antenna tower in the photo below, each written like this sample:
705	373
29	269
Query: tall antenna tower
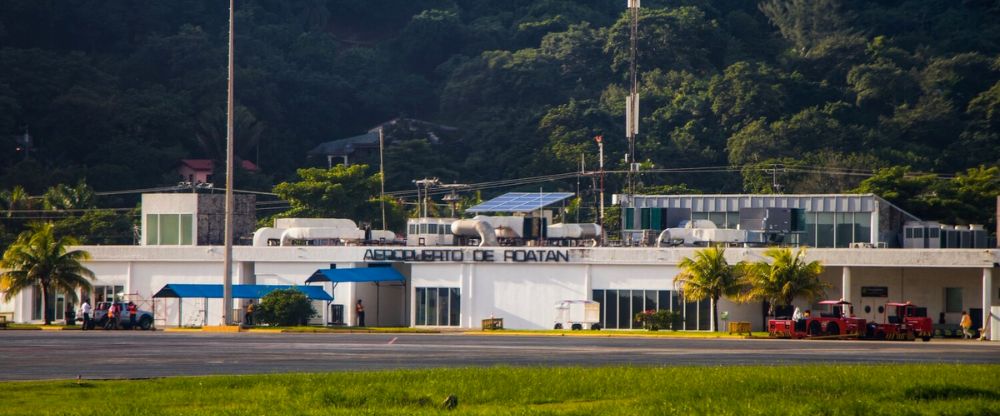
632	104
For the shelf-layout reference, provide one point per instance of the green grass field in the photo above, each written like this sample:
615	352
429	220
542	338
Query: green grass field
777	390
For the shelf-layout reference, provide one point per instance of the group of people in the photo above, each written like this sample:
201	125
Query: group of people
115	314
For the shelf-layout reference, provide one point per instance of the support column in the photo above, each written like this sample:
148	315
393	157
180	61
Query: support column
987	295
845	284
588	283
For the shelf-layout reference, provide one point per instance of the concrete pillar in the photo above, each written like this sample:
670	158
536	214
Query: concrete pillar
987	294
845	284
588	282
874	226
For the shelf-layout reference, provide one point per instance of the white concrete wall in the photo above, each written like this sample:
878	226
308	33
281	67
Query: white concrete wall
524	295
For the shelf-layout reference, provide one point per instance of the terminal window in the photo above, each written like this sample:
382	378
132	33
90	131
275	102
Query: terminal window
438	306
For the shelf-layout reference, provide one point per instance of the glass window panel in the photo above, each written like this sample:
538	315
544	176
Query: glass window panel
624	309
845	229
423	228
918	233
169	229
663	299
644	218
629	218
443	306
611	297
411	229
691	316
931	232
809	237
186	229
732	219
599	298
705	315
432	302
719	218
650	301
953	299
421	306
455	307
909	233
152	229
824	229
432	228
862	227
699	215
637	301
676	303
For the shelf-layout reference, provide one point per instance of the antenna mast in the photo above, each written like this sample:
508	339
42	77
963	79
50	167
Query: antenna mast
632	104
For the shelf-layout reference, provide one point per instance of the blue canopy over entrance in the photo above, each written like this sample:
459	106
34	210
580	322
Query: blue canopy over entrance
360	274
175	290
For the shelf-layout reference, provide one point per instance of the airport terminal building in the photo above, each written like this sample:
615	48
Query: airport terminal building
447	276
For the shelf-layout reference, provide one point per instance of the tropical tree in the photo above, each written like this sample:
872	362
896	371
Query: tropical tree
708	275
39	257
784	278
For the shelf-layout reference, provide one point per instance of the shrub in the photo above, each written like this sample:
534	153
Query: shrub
656	320
286	307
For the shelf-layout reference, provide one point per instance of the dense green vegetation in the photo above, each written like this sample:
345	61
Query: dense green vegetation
791	390
116	92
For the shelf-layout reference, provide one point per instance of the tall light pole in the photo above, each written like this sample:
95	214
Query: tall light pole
227	265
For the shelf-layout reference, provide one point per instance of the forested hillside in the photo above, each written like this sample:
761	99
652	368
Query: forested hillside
117	91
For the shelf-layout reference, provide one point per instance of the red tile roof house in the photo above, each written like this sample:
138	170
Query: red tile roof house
200	170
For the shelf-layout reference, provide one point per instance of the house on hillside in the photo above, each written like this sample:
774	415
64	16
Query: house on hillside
366	145
198	171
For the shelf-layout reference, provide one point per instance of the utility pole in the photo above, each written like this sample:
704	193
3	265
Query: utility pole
775	186
227	274
381	172
600	152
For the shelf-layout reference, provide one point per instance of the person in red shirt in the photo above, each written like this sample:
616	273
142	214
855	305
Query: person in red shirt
132	310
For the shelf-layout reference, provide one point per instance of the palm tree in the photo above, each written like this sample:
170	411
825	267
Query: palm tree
786	277
710	276
39	257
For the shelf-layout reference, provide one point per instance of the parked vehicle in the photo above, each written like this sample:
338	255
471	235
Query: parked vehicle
143	319
575	314
838	321
906	322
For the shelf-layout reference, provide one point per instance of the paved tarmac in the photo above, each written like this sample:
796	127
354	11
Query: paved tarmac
42	355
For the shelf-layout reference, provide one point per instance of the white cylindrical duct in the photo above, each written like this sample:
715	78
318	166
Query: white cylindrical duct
473	228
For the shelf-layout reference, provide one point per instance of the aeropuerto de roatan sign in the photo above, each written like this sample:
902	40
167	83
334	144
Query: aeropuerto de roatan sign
469	255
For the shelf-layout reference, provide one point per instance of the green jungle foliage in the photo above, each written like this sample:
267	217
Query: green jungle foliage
116	92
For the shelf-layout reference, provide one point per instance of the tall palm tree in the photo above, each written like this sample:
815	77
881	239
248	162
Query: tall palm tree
39	257
784	278
710	276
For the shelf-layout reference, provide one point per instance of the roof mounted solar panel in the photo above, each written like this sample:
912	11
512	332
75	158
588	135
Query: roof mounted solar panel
520	202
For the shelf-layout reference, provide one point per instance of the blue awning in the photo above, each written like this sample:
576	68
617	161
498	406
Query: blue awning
360	274
176	290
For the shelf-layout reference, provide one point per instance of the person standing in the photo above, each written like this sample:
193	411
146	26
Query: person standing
966	324
360	309
112	321
248	316
132	310
85	310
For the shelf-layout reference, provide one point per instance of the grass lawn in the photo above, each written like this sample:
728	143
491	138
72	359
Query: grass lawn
773	390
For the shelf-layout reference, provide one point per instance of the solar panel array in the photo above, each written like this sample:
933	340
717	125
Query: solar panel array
520	201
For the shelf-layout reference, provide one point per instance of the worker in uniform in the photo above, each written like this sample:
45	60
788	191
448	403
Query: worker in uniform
132	310
360	309
248	316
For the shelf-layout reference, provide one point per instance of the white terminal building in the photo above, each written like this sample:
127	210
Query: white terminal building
517	265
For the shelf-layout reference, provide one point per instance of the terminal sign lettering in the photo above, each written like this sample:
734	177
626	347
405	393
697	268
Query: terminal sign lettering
439	255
